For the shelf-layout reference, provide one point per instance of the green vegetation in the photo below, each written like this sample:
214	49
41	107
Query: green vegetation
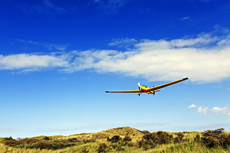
124	139
44	143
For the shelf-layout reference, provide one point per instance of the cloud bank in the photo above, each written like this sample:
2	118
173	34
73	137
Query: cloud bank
204	58
202	110
31	62
215	110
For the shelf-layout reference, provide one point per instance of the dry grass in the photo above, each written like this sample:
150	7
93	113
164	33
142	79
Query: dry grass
188	146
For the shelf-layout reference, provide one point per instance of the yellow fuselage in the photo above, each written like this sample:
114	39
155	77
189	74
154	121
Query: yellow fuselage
145	89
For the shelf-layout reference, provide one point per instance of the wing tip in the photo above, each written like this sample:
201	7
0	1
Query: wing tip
106	91
185	78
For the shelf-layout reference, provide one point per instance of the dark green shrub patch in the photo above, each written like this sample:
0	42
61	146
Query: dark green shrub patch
114	139
150	140
102	148
46	138
12	142
179	138
159	137
127	138
197	138
227	139
215	138
131	144
45	143
213	132
211	141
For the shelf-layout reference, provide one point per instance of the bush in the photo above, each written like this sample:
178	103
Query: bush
159	138
11	142
46	138
226	143
131	144
114	139
127	138
102	148
45	143
148	144
214	138
197	138
210	141
179	137
150	140
164	137
213	132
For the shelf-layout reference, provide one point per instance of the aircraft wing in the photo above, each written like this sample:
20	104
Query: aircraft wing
165	85
126	91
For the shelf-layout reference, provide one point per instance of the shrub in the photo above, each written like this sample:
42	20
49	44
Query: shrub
164	137
114	139
226	143
159	138
102	148
127	138
213	132
10	138
197	138
131	144
11	142
148	144
45	143
214	138
46	138
179	137
139	143
210	141
119	148
150	140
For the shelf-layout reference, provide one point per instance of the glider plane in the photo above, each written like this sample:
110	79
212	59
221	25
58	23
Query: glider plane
145	89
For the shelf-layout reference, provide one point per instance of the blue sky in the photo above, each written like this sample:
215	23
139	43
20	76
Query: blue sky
57	59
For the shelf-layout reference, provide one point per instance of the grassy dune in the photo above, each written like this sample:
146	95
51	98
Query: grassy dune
103	141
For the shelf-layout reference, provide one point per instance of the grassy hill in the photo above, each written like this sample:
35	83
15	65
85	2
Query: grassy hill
123	139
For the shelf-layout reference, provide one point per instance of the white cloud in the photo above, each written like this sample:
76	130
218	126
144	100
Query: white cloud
164	60
204	58
217	110
202	110
124	42
31	61
192	106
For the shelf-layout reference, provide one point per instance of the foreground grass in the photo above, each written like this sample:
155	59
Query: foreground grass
179	148
188	146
